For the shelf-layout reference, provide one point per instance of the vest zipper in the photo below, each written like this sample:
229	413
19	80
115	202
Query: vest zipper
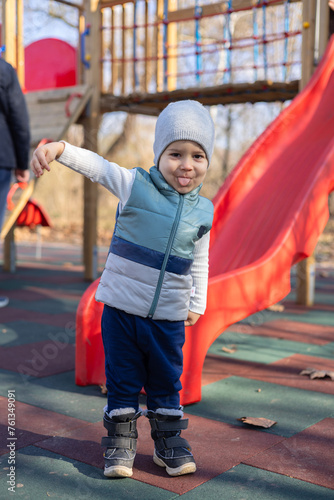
166	257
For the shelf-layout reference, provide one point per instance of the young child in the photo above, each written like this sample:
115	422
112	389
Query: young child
154	282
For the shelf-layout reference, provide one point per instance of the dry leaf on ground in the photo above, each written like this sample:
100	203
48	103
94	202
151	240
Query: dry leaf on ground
257	421
276	308
230	349
315	373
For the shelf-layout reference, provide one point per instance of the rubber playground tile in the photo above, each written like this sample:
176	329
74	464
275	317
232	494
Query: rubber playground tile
213	456
38	272
31	294
57	319
54	294
40	359
218	367
324	307
305	315
293	409
24	295
325	296
307	456
296	309
248	483
261	349
50	305
45	280
57	393
40	474
295	331
21	332
287	372
33	424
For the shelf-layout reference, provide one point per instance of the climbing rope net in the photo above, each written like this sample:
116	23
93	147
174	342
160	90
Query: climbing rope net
150	46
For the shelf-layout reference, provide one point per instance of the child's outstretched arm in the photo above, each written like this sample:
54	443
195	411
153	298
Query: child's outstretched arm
44	155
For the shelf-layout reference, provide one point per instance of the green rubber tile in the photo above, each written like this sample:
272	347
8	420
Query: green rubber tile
57	393
40	474
313	316
293	409
21	332
261	349
321	297
248	483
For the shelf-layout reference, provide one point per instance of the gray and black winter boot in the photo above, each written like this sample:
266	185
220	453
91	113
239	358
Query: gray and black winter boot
121	441
170	450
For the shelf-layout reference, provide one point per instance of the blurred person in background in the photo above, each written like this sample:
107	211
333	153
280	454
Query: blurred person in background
14	137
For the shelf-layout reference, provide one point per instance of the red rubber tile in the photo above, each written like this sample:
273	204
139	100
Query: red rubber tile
13	314
324	307
290	330
34	424
216	446
307	456
25	295
54	294
217	368
40	359
286	372
293	308
32	294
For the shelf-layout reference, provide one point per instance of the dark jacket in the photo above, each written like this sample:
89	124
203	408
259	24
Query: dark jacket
14	121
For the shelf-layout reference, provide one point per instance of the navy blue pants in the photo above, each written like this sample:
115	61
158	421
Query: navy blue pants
140	352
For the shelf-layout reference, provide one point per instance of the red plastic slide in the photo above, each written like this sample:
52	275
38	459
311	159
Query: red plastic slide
268	215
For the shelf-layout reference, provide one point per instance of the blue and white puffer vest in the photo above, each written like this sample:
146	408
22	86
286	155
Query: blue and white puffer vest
147	272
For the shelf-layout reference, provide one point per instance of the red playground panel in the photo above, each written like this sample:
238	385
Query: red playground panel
269	215
50	63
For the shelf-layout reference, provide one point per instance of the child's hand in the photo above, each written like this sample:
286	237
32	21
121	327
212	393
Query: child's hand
44	155
22	175
192	318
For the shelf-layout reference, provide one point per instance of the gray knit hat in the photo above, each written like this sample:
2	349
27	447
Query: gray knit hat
184	121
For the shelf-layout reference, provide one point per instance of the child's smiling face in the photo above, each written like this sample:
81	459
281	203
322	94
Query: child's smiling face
184	165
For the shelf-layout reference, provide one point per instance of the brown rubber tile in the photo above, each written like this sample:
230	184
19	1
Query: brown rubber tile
290	330
218	367
292	308
40	359
307	456
287	372
34	424
12	314
216	446
32	294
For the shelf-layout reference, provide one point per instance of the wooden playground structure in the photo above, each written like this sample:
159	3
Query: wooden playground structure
137	56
